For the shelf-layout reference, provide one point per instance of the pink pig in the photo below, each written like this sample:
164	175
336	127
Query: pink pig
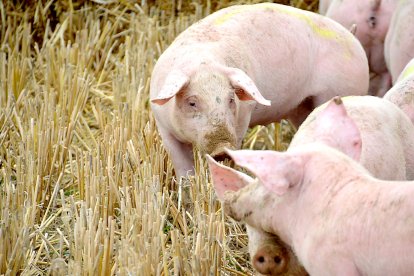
220	75
399	42
337	218
372	131
369	129
372	19
402	93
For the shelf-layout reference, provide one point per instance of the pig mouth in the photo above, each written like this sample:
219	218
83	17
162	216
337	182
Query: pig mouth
217	141
219	153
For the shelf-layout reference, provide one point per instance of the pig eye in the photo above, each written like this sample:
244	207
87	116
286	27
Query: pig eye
231	100
192	102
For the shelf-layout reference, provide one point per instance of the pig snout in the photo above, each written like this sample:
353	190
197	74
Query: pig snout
269	260
217	140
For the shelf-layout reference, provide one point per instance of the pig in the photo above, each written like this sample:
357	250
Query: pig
337	218
370	130
399	41
402	93
372	19
220	76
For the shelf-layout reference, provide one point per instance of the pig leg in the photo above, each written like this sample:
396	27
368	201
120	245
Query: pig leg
299	114
181	154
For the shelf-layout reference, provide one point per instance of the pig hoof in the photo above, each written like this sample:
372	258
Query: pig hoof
267	262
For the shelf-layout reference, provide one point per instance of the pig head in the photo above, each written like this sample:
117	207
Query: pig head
208	106
269	255
336	217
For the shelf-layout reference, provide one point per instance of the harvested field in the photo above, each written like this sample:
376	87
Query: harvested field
86	187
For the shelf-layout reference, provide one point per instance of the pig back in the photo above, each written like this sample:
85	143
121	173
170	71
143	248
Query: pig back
386	132
289	54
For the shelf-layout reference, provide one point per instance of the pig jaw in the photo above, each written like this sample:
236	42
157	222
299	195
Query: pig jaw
258	207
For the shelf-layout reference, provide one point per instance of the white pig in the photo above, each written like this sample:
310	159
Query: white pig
402	93
338	219
220	75
372	19
369	129
399	42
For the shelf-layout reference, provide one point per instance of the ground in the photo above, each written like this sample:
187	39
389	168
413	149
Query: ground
86	187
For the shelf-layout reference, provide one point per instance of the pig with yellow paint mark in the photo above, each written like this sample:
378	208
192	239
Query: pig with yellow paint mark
372	20
247	65
399	42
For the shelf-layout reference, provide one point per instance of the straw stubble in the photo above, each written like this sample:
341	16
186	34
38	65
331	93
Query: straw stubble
86	187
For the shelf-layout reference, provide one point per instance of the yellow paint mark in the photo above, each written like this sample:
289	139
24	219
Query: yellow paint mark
324	32
408	71
225	17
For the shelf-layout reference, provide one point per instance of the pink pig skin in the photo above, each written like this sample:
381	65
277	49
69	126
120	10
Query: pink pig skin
386	135
219	76
338	219
269	255
372	19
399	42
370	130
402	93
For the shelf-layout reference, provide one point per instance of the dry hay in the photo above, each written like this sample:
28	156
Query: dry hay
86	187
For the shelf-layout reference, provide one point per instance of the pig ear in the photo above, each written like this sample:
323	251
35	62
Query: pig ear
246	89
225	178
175	81
277	171
335	119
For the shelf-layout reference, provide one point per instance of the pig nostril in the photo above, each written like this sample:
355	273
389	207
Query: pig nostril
261	259
278	260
